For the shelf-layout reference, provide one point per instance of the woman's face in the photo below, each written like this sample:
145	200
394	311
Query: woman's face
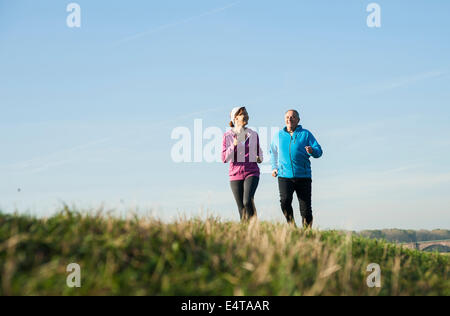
242	118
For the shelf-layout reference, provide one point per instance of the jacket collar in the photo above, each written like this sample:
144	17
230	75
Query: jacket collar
249	132
297	130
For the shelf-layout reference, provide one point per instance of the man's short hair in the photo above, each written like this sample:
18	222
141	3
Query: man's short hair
295	111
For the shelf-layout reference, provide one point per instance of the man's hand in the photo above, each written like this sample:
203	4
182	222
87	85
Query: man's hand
258	160
275	173
309	150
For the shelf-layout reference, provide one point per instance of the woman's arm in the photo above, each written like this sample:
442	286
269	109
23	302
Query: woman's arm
260	153
227	149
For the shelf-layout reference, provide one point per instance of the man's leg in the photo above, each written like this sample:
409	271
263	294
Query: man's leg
287	189
303	188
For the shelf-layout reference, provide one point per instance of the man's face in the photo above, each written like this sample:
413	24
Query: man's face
292	120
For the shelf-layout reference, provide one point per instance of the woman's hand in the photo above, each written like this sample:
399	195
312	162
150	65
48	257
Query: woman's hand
235	142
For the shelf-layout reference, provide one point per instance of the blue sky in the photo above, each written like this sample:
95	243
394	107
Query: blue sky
87	113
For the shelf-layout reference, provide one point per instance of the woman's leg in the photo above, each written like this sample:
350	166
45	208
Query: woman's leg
250	186
238	191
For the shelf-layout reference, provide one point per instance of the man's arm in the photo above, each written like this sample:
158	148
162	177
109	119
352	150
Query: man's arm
274	154
317	151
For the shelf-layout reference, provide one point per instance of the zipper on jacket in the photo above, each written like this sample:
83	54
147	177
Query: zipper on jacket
290	157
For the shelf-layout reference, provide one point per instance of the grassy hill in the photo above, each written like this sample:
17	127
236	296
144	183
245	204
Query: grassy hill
148	257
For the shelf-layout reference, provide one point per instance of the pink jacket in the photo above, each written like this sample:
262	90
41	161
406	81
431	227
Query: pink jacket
243	157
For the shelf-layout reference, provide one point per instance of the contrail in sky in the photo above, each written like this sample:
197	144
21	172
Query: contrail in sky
176	23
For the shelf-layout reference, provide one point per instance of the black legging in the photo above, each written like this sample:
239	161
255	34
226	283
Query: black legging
244	193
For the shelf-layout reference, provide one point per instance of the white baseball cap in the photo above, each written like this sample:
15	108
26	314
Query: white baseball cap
234	112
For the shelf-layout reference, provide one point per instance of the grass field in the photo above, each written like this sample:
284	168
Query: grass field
209	257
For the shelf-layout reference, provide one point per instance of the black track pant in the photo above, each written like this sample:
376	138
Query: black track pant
302	186
244	193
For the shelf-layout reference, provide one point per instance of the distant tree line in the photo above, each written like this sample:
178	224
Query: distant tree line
406	236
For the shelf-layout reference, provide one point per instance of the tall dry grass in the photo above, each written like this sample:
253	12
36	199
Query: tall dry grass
203	257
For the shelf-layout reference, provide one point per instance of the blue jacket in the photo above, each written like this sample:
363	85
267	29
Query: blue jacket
289	156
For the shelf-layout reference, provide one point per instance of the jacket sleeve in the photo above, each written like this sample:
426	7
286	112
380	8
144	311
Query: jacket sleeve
227	150
261	153
274	154
317	149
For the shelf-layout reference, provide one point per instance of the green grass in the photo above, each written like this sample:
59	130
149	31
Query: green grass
148	257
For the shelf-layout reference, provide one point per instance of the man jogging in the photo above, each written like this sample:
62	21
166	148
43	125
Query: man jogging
290	153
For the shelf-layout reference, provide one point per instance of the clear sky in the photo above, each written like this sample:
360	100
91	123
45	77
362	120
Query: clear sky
87	113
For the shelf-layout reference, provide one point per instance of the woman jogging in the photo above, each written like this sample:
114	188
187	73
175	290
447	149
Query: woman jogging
242	150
